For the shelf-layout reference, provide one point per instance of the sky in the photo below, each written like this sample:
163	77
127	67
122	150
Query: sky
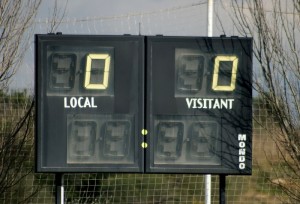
118	17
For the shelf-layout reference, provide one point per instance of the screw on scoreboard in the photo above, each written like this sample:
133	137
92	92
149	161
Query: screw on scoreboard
150	104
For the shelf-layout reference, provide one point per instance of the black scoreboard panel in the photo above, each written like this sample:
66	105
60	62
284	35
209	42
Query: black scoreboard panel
199	105
153	104
89	103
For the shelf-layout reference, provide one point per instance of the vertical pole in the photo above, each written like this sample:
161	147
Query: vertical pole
210	8
59	184
208	189
210	4
222	189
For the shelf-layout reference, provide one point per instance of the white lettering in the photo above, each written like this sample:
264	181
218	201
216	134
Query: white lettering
205	105
189	102
66	103
224	103
241	159
87	103
199	101
242	166
73	102
81	102
209	103
216	105
242	144
242	137
93	103
230	103
242	150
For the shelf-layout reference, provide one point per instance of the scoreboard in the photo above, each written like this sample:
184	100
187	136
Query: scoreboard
89	103
199	107
150	104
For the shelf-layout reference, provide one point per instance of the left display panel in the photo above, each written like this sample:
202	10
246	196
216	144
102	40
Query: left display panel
89	103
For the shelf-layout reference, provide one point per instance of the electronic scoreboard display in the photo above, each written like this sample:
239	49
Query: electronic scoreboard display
89	103
199	107
149	104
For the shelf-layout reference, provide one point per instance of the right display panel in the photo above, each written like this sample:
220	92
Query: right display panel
199	105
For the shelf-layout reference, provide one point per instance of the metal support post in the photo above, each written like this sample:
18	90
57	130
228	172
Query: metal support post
210	4
59	184
222	189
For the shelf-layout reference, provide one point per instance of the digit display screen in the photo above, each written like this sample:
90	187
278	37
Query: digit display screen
80	69
97	71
